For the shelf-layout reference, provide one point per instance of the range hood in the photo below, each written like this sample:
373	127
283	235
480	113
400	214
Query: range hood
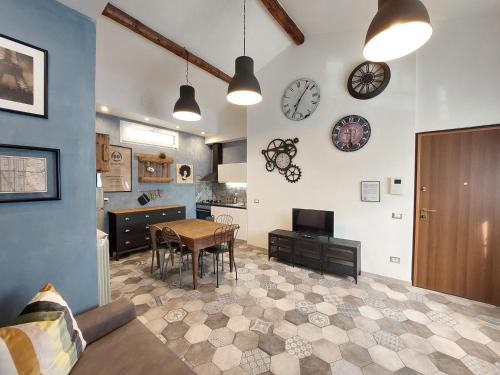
216	161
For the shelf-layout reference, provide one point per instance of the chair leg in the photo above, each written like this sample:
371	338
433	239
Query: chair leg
213	259
222	255
181	262
152	260
217	270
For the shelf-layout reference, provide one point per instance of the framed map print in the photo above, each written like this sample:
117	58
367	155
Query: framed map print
184	173
23	77
119	177
29	173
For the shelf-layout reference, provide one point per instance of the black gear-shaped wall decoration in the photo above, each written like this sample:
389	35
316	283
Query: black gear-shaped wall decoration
279	155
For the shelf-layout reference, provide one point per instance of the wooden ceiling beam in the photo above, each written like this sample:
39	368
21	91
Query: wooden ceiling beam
282	17
138	27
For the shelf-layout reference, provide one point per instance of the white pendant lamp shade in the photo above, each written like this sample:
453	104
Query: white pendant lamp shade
399	28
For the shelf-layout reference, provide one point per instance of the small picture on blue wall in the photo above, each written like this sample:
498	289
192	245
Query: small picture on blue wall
23	78
184	173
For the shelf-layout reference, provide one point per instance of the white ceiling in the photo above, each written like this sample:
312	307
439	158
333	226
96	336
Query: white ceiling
212	29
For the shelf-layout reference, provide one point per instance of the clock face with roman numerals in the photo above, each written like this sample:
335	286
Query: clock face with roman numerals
351	133
300	99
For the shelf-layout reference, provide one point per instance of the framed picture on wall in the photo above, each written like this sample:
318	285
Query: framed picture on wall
29	173
184	173
23	78
370	191
119	177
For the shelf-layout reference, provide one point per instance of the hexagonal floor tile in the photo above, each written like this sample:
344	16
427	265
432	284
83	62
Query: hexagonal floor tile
246	340
298	347
197	333
227	357
385	358
221	337
255	361
200	353
238	323
175	315
319	319
342	367
326	350
285	364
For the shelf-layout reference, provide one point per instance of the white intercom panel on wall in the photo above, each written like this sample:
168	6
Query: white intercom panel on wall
395	186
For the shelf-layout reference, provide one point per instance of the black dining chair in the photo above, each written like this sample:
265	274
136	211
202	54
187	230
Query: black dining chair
161	248
176	249
224	239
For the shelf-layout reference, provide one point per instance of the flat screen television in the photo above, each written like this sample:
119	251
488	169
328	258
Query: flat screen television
312	222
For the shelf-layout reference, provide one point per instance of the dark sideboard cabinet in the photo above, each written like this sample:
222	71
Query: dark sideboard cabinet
332	255
129	229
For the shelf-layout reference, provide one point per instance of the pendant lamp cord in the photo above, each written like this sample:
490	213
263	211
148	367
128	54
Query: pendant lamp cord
244	26
187	65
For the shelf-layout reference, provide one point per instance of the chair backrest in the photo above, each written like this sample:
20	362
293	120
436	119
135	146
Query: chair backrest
171	238
224	219
210	218
225	235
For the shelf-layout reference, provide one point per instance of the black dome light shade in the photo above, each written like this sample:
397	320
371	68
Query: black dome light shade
244	89
399	28
186	108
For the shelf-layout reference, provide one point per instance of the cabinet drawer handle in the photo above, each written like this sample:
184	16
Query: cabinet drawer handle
147	226
148	238
127	242
146	216
127	230
179	212
163	214
127	219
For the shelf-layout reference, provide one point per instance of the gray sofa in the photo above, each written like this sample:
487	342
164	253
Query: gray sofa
118	343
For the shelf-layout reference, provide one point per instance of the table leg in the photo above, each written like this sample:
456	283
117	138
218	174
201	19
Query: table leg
231	256
194	258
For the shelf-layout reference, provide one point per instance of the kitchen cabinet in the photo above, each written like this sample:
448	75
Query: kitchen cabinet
239	217
234	172
102	152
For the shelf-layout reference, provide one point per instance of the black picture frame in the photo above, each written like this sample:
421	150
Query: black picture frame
53	174
363	199
45	80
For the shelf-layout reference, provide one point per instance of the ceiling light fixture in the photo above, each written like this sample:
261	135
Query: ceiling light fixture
399	28
244	89
186	108
146	118
104	108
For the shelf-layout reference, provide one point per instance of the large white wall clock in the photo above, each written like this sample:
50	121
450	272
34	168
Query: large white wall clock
300	99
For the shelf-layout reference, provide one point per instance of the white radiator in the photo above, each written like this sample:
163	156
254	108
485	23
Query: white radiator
103	268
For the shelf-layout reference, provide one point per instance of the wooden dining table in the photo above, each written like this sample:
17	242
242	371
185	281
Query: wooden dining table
196	234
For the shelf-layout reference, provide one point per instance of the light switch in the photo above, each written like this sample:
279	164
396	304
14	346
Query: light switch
256	201
398	216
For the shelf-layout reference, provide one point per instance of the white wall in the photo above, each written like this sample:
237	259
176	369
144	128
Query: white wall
451	82
331	178
458	74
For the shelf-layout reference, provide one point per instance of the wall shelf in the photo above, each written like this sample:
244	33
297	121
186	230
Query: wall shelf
152	168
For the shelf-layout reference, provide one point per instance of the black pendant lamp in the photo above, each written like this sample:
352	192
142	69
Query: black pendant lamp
399	28
244	89
186	108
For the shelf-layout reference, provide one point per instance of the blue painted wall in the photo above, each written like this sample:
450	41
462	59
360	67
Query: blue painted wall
53	241
192	150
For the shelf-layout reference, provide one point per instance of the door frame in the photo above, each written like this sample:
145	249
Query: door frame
415	187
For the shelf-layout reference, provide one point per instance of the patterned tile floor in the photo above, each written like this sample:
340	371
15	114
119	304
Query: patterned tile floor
288	320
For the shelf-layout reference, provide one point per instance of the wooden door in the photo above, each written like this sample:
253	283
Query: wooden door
457	213
102	152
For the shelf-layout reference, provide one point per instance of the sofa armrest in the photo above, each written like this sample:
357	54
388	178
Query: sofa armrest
98	322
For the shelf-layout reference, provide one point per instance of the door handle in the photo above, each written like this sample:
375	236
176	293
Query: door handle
424	212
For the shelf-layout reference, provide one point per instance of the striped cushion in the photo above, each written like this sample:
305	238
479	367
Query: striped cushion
45	339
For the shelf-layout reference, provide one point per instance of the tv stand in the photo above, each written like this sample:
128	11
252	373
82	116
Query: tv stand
326	254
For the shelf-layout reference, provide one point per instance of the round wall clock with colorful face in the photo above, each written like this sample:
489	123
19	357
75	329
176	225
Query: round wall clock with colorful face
351	133
300	99
368	80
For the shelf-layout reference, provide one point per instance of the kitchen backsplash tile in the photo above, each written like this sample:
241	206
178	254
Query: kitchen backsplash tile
213	190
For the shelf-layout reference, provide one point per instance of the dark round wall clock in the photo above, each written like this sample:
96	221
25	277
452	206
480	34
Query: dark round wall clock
351	133
368	80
